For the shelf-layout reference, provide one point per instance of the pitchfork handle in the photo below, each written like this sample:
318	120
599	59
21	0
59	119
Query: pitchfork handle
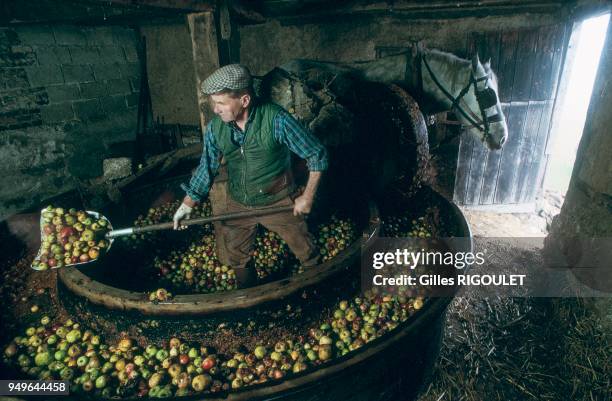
199	220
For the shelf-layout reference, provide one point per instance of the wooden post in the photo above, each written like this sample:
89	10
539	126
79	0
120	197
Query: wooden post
229	42
205	55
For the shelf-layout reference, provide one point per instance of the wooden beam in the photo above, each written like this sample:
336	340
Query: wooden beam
583	9
205	55
441	9
245	13
184	5
229	43
83	11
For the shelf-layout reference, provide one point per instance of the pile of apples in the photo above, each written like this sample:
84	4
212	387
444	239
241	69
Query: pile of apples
164	213
197	268
335	236
66	350
69	237
424	226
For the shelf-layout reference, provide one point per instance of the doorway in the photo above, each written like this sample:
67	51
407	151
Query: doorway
579	71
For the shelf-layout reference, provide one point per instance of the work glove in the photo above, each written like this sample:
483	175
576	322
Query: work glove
183	212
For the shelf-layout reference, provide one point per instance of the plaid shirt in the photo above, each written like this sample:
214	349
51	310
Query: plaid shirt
287	130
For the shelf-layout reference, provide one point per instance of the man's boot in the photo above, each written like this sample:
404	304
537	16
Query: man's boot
245	276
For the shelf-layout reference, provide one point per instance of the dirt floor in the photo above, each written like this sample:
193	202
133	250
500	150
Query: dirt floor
489	224
503	348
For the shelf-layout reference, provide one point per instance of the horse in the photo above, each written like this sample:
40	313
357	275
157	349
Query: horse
443	80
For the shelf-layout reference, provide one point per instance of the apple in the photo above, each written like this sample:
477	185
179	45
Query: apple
87	235
201	382
129	368
208	363
94	253
66	232
125	344
49	229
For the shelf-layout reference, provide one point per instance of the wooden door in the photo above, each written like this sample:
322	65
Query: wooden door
528	65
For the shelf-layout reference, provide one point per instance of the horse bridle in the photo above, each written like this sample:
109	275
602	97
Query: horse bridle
485	98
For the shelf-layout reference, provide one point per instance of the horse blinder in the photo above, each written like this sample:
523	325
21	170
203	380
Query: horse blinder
486	97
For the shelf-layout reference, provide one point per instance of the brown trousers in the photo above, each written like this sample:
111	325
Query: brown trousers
235	238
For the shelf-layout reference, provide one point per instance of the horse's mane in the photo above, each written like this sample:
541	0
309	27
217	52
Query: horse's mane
457	62
449	57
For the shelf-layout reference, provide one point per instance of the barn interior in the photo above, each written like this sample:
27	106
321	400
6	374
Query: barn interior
99	97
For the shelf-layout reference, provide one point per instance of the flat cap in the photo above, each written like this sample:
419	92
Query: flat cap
232	76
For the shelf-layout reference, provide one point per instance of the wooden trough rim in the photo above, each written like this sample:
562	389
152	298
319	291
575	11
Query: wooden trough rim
203	304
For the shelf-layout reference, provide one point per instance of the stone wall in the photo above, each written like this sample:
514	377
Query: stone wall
66	94
587	210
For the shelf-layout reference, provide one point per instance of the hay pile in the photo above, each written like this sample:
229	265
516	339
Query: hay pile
522	349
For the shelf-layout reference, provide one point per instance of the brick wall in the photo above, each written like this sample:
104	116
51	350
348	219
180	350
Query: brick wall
66	94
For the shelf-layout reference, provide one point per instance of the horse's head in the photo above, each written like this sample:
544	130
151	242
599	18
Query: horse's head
482	112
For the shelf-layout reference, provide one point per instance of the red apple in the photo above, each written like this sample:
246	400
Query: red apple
129	368
66	232
48	229
208	363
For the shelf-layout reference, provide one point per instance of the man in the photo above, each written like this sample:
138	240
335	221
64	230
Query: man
256	139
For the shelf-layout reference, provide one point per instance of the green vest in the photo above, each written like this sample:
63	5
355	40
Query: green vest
259	172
